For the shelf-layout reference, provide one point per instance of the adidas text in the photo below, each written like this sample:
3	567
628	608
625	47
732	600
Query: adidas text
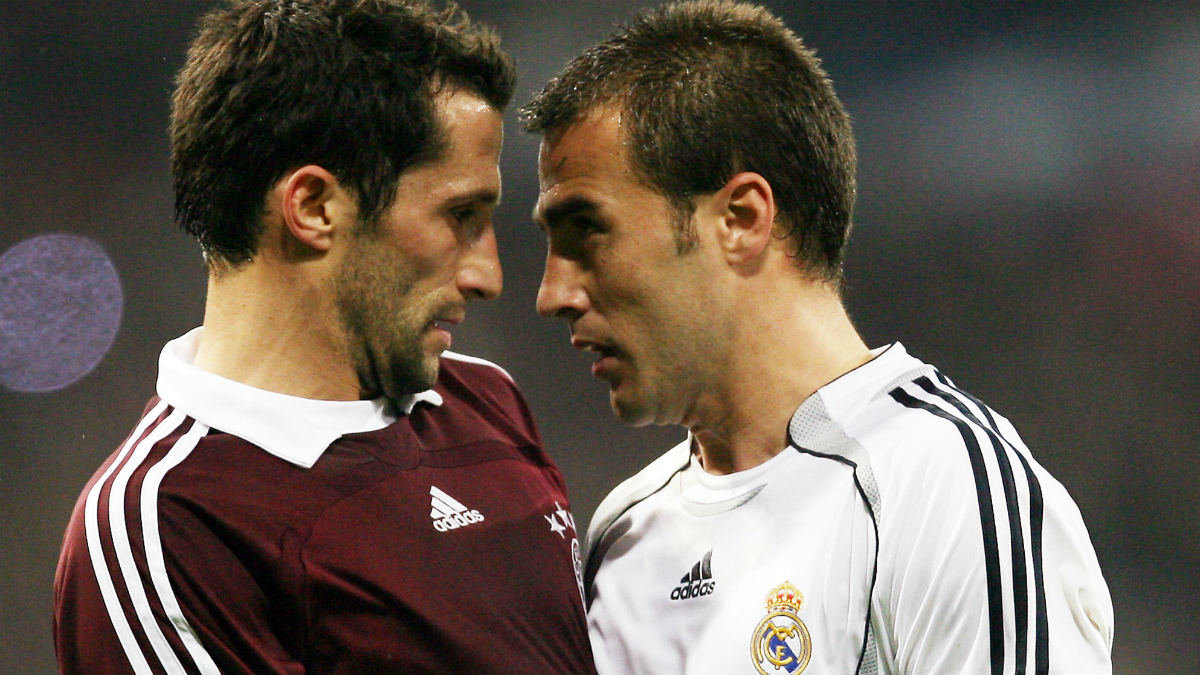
448	513
693	590
453	522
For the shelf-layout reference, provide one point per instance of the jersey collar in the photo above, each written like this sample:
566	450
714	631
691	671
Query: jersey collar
294	429
890	367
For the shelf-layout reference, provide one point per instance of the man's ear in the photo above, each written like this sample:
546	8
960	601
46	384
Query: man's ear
747	208
314	206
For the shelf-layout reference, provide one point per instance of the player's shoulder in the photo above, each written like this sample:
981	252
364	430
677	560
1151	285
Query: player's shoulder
474	368
904	423
635	489
473	378
929	418
938	453
917	429
919	452
478	393
898	404
868	405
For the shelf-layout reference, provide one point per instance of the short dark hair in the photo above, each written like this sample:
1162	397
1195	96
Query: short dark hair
271	85
711	88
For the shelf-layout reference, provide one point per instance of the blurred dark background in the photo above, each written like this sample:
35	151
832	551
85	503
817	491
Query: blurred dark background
1028	221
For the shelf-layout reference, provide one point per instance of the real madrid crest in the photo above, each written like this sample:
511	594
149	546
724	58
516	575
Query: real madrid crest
781	641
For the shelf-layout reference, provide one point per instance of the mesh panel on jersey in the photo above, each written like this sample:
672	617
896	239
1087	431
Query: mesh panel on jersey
813	430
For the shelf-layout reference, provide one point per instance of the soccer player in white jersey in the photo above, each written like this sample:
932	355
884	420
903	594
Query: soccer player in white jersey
834	508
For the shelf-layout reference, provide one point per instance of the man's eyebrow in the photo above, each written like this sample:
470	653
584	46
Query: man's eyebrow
486	196
563	211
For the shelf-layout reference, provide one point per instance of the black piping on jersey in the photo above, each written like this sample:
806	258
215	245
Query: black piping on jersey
862	652
991	547
1036	513
592	566
988	526
1016	537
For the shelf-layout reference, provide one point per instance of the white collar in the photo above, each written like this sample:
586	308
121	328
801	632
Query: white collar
292	428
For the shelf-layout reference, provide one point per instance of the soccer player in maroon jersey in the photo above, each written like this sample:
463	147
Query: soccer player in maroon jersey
318	485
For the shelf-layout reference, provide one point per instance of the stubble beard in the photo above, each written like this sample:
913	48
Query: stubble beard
384	337
391	362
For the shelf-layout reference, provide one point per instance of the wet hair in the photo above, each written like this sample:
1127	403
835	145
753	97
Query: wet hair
350	85
711	88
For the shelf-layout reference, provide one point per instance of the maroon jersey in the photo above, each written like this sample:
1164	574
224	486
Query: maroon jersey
240	531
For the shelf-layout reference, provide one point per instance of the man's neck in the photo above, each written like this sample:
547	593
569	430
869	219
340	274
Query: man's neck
277	330
794	349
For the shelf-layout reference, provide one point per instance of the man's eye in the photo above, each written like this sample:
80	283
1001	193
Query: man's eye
464	215
471	221
587	226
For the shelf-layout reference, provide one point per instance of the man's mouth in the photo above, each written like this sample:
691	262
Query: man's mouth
446	319
596	347
603	352
440	326
606	355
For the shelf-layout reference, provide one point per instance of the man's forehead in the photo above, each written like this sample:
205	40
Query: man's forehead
551	158
592	143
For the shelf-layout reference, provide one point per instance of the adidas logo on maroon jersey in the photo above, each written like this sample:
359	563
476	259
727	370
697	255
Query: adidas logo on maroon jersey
448	513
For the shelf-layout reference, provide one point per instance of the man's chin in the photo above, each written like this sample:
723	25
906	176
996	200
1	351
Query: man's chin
633	413
412	380
427	377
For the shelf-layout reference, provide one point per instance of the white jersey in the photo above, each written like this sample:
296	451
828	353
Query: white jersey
906	529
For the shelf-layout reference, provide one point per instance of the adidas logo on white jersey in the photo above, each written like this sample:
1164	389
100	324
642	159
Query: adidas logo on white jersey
448	513
698	582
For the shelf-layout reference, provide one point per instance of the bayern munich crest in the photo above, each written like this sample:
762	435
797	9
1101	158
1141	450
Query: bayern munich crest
781	643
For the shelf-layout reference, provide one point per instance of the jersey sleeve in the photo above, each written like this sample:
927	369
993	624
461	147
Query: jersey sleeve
985	564
149	582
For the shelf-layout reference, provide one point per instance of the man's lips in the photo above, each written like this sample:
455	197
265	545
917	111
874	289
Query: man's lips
452	318
600	348
440	325
607	354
